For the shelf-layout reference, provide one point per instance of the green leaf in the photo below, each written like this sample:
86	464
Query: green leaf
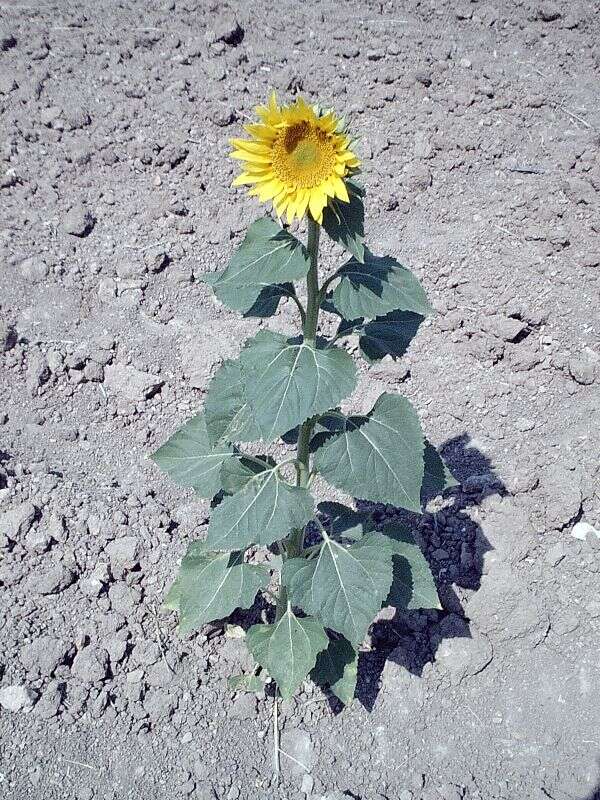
376	287
437	477
388	335
344	522
337	667
288	381
171	601
265	510
287	650
413	585
268	255
190	459
246	683
267	302
226	409
236	473
377	457
212	585
345	222
343	586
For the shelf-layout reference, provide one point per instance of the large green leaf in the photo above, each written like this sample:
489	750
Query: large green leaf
376	287
268	255
265	510
190	459
344	522
337	667
236	473
212	585
377	457
288	381
345	222
287	650
226	409
413	585
267	302
388	335
437	477
343	586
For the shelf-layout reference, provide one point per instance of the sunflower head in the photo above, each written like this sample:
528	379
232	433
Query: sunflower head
296	157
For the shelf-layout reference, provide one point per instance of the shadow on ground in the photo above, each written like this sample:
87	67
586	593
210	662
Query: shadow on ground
454	545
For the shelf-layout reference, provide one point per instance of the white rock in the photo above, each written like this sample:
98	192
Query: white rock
17	698
582	529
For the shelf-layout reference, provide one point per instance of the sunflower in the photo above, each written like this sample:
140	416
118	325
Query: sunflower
297	157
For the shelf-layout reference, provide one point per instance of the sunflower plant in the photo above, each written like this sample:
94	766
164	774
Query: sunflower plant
324	569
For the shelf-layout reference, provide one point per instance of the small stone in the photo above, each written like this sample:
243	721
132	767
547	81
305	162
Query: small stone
584	368
123	552
51	581
505	328
93	372
43	655
226	28
145	653
38	540
581	530
131	383
307	785
556	554
34	269
17	698
155	260
37	372
16	522
78	222
424	78
90	665
548	12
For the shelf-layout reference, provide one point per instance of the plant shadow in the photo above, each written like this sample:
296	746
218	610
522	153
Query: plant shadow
454	545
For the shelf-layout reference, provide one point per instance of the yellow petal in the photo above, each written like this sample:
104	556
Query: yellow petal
316	203
340	189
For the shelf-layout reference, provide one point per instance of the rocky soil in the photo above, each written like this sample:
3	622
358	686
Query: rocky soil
480	133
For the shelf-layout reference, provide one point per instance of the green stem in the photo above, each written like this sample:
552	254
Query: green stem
312	284
295	542
310	335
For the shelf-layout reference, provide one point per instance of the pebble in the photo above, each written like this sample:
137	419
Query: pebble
16	522
130	382
90	665
584	368
52	580
43	655
34	269
78	222
581	530
17	698
556	554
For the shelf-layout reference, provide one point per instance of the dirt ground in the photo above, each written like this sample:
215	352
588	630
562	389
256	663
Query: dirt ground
480	135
